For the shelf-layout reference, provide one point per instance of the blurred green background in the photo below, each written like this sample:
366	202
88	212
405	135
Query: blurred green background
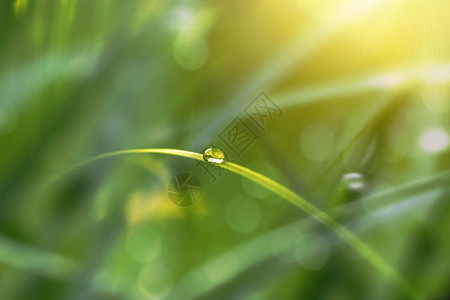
363	92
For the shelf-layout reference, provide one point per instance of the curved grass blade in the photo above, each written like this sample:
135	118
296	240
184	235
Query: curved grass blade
175	152
324	218
249	259
31	259
285	193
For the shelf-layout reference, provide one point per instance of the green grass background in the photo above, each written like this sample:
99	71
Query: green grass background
81	78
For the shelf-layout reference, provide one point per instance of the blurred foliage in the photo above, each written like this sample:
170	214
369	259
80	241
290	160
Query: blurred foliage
364	134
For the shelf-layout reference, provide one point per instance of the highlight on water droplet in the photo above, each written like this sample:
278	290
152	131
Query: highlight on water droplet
354	181
214	155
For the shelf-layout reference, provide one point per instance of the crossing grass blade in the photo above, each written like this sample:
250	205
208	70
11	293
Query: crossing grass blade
283	192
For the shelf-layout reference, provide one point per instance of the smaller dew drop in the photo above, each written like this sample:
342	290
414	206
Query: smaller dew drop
214	155
354	181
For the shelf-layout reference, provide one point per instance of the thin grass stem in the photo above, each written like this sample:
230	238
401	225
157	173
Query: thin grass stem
286	194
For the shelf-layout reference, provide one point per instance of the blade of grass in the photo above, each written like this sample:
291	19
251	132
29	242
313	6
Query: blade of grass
188	287
248	258
355	129
175	152
324	218
184	287
25	257
286	194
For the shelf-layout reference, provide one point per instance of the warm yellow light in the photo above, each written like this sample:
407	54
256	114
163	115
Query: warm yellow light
318	8
341	10
388	33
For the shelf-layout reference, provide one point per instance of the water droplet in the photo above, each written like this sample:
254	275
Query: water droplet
214	155
354	181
